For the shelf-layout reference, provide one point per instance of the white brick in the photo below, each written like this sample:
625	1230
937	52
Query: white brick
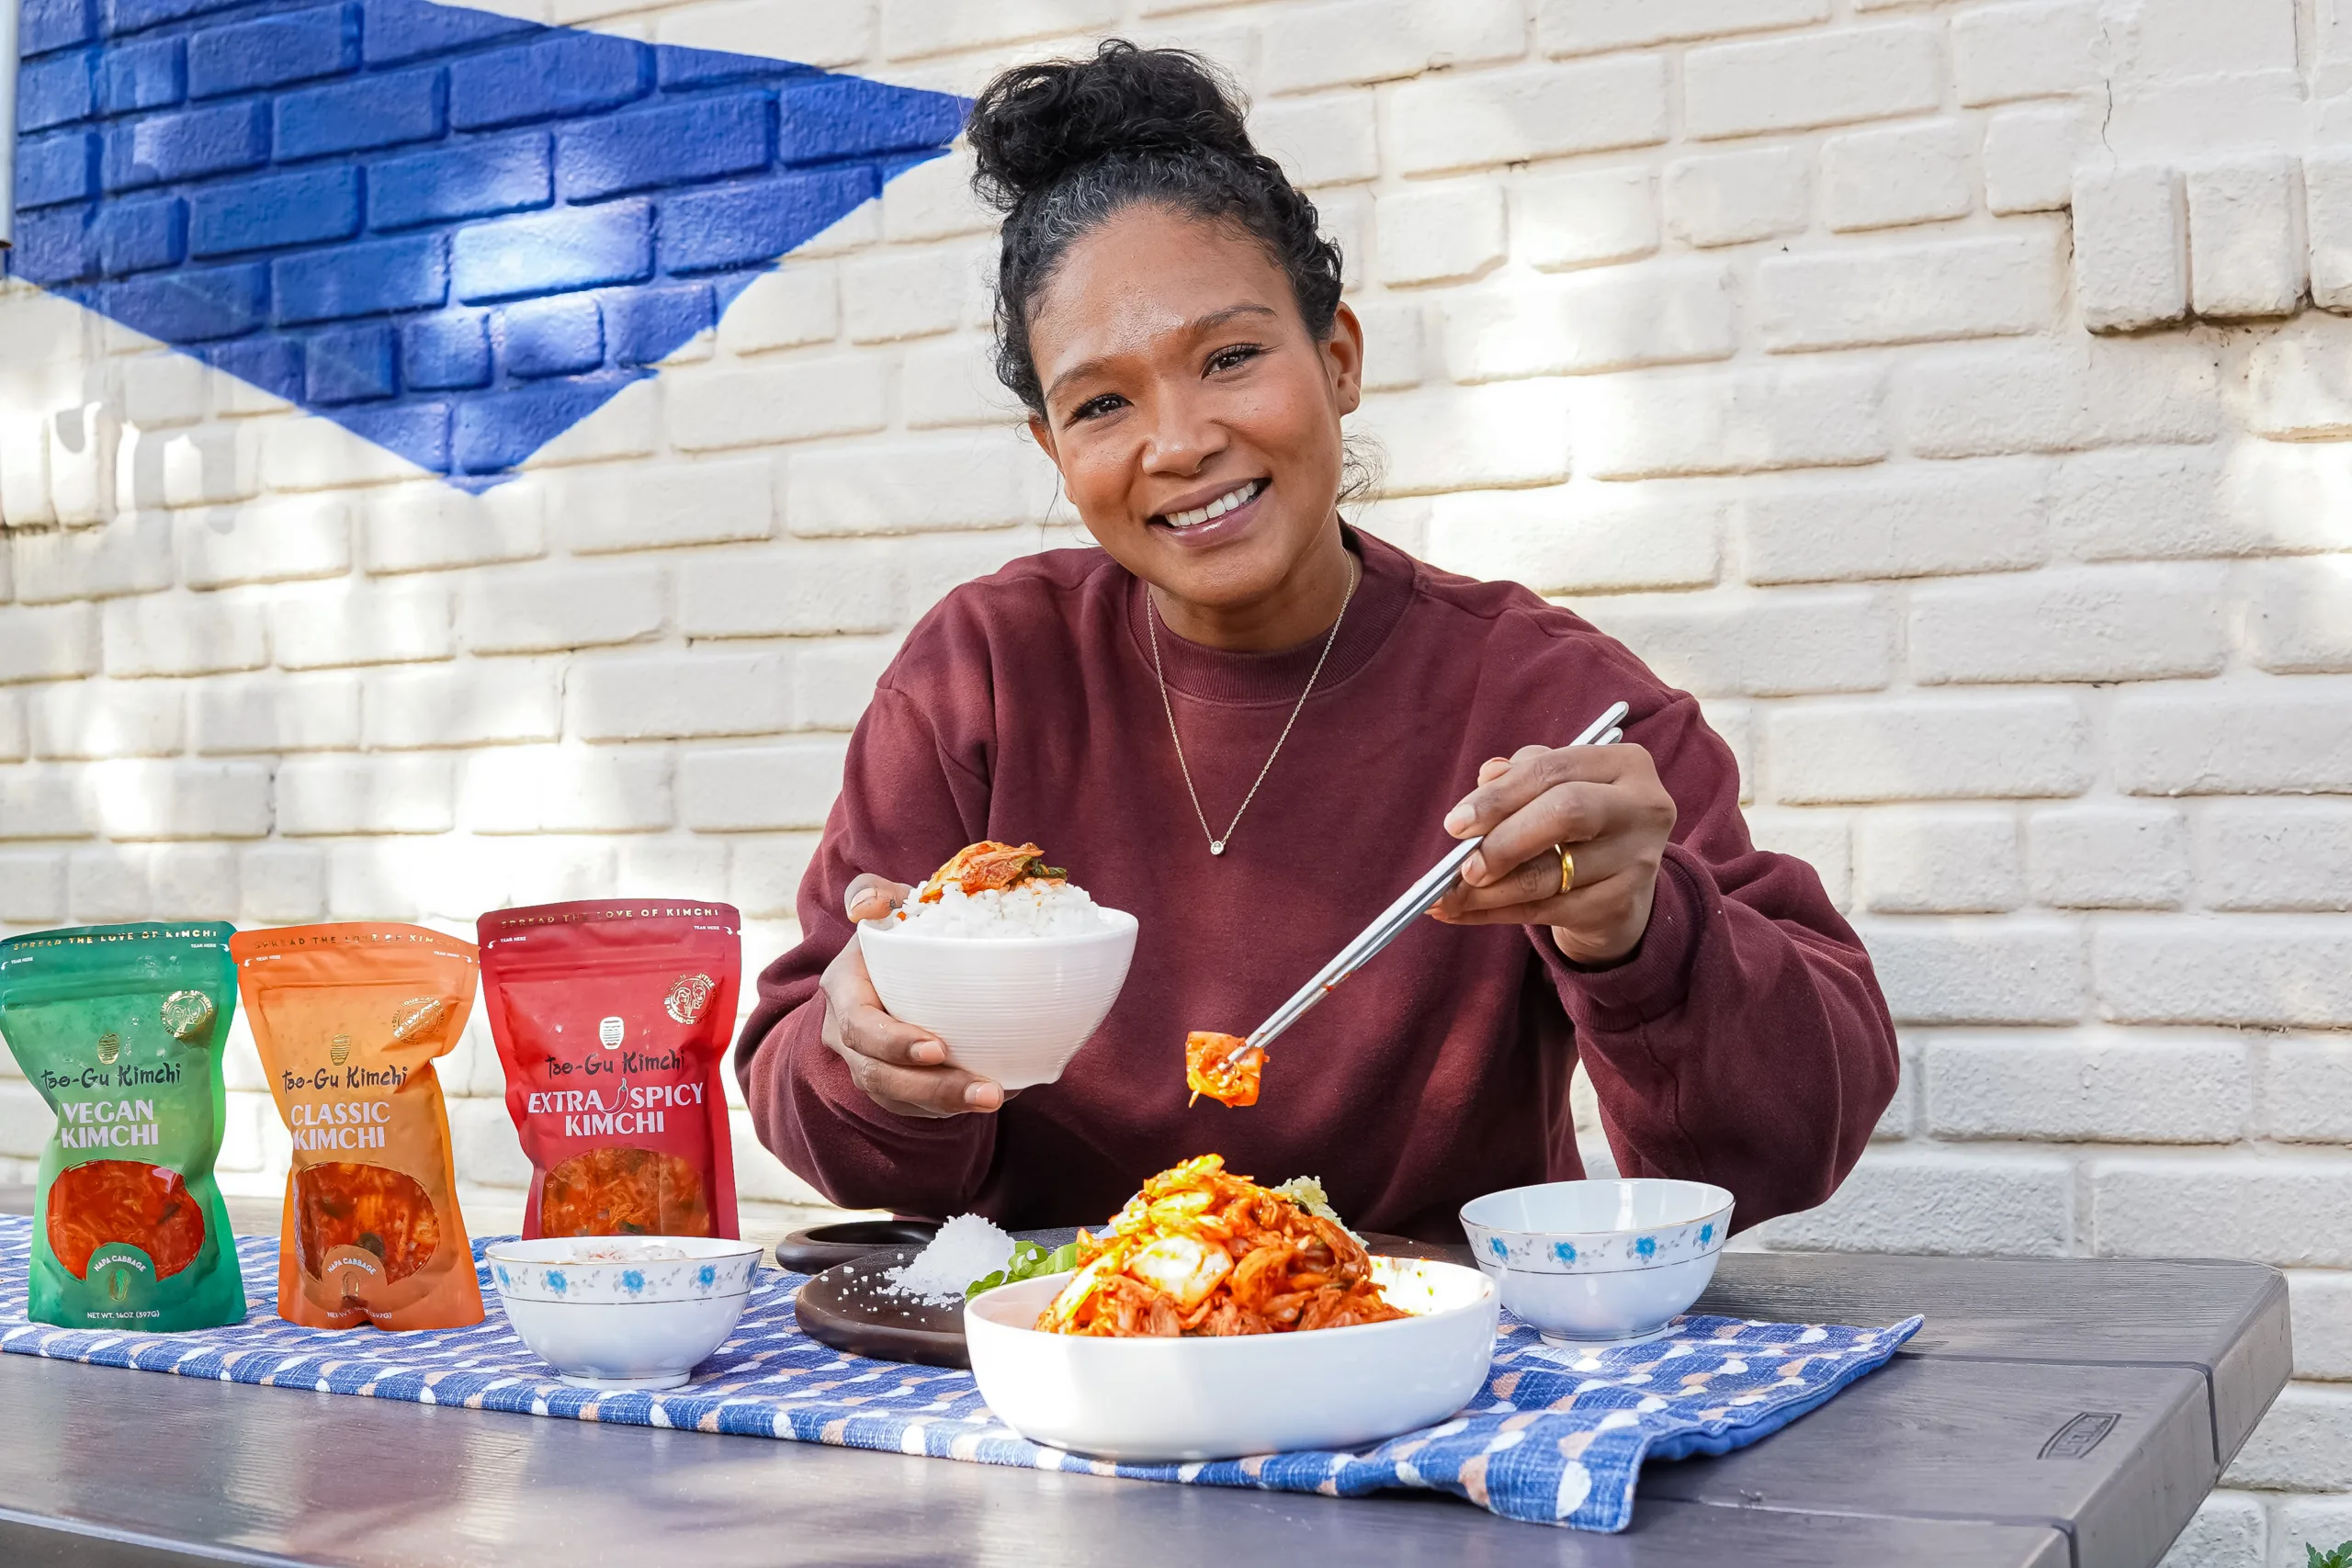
2327	216
839	33
2298	613
670	867
1931	860
1923	748
131	554
2117	623
2322	1308
2227	1532
1433	233
2307	1095
1487	118
2246	255
2029	156
1882	179
1333	140
473	704
1822	839
2276	854
1870	73
482	1142
888	295
2321	1522
764	878
2059	398
2016	970
32	887
97	718
48	644
660	695
2267	496
181	800
307	454
1614	320
833	681
1394	345
44	803
1910	293
273	542
395	624
1581	538
81	464
366	795
786	785
2161	39
798	590
913	29
2030	49
2273	735
2304	1445
2130	248
283	883
276	712
183	634
1776	642
947	482
2297	387
932	200
1731	422
1942	1203
193	882
2109	855
1727	198
1588	27
954	383
24	471
2285	971
567	789
947	562
790	402
1585	219
788	307
1505	436
2168	503
1922	521
1377	40
2088	1086
423	528
546	609
209	467
108	885
2280	1210
14	743
692	503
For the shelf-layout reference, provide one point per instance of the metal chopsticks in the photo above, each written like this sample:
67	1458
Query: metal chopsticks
1409	906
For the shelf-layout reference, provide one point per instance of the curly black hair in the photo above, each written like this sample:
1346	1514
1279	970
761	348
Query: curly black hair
1063	144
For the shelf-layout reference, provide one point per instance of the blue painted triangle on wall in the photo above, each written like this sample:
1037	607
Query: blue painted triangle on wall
454	233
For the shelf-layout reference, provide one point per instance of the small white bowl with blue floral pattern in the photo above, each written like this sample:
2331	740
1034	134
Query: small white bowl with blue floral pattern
1599	1262
622	1311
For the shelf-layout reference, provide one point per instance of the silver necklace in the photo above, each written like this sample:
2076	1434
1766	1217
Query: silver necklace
1217	843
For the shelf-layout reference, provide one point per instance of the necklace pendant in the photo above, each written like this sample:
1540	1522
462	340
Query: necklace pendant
1216	846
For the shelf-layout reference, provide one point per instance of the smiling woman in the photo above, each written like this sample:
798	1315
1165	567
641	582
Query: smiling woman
1330	716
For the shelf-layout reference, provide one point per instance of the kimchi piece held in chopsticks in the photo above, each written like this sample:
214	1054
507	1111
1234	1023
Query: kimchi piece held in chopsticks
1203	1252
990	867
1212	1067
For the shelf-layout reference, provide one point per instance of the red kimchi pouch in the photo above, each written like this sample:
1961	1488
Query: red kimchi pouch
120	1030
349	1018
613	1021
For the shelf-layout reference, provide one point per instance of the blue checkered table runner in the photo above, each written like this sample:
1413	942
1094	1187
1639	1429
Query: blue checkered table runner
1554	1438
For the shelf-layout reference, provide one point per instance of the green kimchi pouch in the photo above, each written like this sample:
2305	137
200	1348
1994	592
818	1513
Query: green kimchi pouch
121	1028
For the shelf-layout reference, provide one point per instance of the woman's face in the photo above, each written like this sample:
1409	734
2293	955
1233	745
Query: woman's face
1194	419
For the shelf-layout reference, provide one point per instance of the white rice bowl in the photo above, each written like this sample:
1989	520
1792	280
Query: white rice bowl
1026	909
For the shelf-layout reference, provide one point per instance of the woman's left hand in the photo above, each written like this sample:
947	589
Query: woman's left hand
1605	805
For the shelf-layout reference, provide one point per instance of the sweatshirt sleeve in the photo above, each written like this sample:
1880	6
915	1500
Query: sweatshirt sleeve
802	1102
1744	1042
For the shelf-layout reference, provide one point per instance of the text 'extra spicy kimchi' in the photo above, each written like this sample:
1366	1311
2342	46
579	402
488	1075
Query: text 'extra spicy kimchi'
121	1029
349	1018
613	1021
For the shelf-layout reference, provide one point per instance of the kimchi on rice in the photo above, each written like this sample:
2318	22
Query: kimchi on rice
1200	1251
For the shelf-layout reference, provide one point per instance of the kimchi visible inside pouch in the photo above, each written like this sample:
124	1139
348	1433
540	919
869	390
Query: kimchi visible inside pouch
612	1021
349	1020
121	1029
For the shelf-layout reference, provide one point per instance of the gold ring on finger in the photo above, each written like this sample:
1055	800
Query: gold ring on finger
1568	869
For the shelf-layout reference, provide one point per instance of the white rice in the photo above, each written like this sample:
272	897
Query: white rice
1031	909
968	1248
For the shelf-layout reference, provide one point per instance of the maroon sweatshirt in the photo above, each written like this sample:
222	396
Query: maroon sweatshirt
1743	1042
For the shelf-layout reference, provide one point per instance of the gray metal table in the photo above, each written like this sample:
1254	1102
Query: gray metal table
2052	1415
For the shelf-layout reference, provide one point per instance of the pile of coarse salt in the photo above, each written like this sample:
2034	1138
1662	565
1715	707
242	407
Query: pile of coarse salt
968	1248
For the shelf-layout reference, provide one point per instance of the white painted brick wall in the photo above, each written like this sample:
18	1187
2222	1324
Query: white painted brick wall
1933	390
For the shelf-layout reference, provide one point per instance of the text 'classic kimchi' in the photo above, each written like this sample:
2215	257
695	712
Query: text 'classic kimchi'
1200	1251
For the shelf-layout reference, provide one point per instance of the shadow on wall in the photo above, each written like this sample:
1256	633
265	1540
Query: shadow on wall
452	233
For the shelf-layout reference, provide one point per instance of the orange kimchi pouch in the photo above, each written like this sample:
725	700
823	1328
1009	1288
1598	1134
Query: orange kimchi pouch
349	1018
121	1029
613	1021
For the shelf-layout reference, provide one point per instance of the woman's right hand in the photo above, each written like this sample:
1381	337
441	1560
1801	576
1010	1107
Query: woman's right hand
899	1068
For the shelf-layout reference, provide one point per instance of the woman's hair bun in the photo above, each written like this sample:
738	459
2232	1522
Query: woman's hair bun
1036	123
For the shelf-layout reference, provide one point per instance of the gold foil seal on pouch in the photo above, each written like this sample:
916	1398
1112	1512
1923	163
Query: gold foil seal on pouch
689	995
419	1017
188	1014
339	1049
109	1047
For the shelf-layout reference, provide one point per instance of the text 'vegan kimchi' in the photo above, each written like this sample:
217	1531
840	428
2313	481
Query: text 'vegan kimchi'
1200	1251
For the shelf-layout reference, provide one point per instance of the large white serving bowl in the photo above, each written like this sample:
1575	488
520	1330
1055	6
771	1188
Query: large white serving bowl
1014	1009
1599	1262
622	1311
1157	1400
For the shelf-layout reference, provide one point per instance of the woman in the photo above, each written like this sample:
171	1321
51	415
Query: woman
1253	726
